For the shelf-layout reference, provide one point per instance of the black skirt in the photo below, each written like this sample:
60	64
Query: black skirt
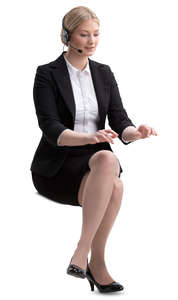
64	186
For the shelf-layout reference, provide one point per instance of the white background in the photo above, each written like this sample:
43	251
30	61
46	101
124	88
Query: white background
138	39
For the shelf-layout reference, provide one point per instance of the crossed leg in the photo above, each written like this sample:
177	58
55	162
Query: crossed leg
98	183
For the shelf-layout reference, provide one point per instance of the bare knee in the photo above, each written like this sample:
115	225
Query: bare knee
104	161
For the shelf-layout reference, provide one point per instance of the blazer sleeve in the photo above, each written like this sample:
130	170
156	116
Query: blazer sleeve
117	116
45	106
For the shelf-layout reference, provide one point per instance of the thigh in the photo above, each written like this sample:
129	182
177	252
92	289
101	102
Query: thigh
90	162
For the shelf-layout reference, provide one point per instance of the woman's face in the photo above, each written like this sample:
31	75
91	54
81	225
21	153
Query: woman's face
86	37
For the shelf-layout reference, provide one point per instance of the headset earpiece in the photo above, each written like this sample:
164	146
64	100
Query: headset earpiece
65	33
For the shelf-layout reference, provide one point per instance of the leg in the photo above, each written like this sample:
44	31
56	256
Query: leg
96	196
97	262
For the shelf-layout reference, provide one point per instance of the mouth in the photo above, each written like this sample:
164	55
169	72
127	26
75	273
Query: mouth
91	48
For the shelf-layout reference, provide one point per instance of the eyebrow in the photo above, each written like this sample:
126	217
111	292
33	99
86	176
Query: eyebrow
87	30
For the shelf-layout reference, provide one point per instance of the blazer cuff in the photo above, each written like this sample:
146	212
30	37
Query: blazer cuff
123	132
58	139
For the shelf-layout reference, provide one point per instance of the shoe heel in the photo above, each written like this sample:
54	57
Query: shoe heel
106	288
91	284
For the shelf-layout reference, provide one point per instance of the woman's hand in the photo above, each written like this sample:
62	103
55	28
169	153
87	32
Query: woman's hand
104	135
144	131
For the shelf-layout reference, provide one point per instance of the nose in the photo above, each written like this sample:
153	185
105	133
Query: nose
91	40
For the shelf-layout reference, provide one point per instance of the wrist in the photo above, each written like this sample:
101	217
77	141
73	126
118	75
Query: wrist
86	138
129	134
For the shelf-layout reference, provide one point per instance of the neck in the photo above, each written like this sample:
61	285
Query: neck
79	61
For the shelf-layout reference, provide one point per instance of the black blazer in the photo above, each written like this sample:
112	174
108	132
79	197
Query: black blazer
55	109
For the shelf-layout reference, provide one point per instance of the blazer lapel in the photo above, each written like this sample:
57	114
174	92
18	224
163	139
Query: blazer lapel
100	82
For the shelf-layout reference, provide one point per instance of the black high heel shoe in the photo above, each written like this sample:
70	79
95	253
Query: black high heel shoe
107	288
76	271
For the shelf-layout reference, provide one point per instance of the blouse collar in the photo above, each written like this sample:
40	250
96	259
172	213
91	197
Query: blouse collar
77	71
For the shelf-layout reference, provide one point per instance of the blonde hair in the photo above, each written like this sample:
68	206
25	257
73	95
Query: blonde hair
75	17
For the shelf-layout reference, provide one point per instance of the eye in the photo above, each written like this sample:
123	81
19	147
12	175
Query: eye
86	35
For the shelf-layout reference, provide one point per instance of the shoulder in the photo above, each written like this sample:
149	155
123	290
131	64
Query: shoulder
100	65
49	65
45	67
104	70
43	71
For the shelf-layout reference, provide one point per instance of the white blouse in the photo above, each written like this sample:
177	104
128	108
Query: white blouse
87	115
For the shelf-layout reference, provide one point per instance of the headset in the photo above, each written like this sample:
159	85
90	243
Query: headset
66	36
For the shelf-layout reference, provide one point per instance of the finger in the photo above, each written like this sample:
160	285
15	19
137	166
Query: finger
102	136
138	134
97	140
107	138
154	132
105	134
110	137
148	132
108	132
112	131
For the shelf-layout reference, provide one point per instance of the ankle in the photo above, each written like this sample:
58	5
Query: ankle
80	253
83	247
97	261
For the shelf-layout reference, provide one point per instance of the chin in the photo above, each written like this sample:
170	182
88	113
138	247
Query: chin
89	53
